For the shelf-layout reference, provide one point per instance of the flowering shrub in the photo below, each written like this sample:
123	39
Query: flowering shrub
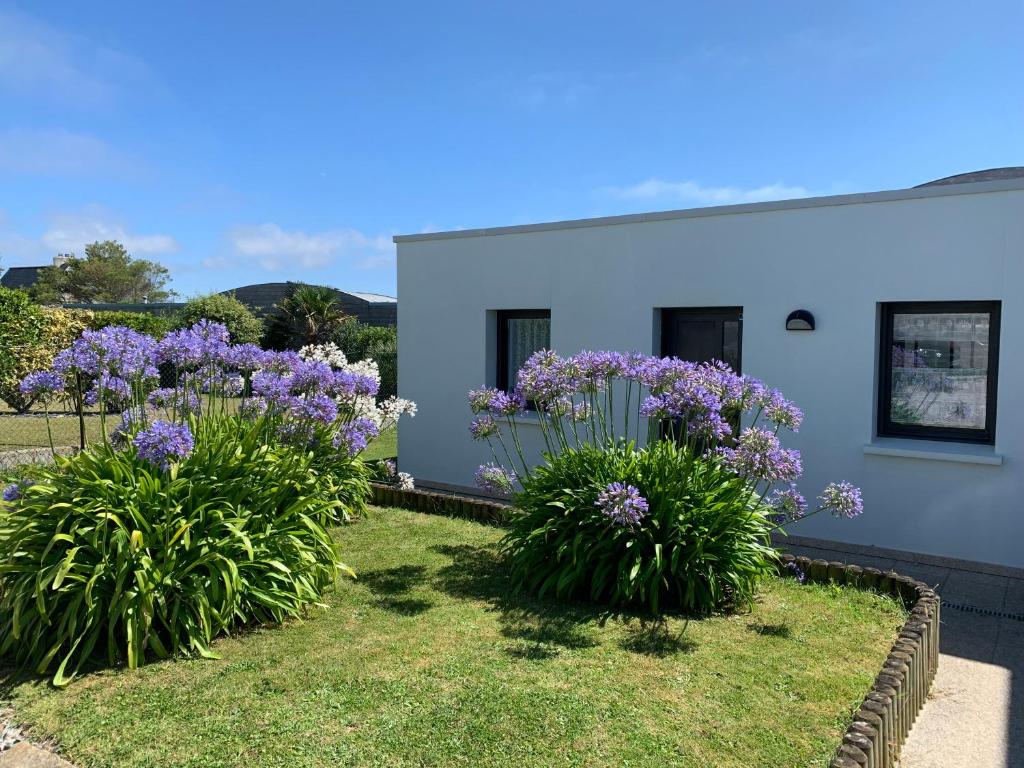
111	555
684	519
202	508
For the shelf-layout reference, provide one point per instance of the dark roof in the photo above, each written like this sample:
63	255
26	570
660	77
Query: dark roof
20	277
990	174
371	309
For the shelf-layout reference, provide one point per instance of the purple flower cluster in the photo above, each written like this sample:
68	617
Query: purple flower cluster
42	384
16	490
789	504
842	500
495	479
204	344
758	455
483	427
115	350
163	443
623	504
497	402
352	438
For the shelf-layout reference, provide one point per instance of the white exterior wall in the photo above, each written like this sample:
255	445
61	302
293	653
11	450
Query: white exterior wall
838	258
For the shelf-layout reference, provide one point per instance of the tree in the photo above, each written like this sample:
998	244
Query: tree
242	324
310	314
107	274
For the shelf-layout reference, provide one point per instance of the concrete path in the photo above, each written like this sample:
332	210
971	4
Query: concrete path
974	717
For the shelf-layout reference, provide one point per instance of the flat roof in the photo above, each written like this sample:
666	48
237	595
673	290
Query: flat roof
914	193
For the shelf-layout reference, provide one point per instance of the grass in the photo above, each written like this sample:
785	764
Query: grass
427	660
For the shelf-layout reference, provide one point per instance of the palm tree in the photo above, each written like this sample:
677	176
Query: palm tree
310	314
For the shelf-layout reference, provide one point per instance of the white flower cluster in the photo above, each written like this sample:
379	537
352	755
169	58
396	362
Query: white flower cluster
384	414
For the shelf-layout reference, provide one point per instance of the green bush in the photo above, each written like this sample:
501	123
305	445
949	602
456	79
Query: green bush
359	342
107	557
243	326
143	322
703	543
31	337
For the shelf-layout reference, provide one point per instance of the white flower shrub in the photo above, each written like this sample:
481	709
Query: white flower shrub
384	414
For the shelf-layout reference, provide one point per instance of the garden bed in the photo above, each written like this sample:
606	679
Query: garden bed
427	660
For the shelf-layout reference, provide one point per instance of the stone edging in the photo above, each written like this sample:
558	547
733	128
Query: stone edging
881	724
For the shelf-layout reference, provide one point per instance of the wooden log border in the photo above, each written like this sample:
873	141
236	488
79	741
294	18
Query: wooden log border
881	724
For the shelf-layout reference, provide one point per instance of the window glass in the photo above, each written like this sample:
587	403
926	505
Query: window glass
526	335
940	368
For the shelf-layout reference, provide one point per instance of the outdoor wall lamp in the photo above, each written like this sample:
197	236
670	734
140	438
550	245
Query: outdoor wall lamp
800	320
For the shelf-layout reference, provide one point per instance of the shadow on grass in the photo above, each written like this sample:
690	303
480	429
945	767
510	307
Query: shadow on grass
771	630
390	587
541	629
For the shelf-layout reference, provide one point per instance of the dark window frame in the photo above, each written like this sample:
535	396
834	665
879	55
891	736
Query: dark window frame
886	427
502	374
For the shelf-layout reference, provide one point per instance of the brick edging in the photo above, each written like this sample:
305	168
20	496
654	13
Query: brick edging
881	724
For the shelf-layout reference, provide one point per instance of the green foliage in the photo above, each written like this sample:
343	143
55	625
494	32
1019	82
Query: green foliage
359	342
243	326
143	322
310	314
107	274
107	557
31	337
703	543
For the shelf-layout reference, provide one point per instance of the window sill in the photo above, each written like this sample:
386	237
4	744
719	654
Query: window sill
961	453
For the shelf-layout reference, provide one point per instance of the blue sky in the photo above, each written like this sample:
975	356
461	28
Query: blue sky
247	142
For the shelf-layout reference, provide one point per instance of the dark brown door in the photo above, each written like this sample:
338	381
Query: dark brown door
702	335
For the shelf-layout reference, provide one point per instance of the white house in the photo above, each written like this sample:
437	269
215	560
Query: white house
911	379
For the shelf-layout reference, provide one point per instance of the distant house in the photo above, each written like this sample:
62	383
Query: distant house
23	278
367	308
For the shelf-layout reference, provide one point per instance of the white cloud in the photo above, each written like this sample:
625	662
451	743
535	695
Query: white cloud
274	248
71	232
38	58
692	192
59	152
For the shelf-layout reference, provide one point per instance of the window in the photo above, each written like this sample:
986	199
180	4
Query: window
521	332
938	370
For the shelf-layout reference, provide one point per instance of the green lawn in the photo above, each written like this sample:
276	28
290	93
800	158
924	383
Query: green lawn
426	660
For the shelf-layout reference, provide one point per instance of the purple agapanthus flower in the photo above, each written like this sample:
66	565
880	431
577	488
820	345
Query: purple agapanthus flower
779	410
114	350
115	391
273	387
163	443
759	455
623	504
43	384
315	407
789	504
483	427
16	490
495	479
842	500
352	438
245	357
